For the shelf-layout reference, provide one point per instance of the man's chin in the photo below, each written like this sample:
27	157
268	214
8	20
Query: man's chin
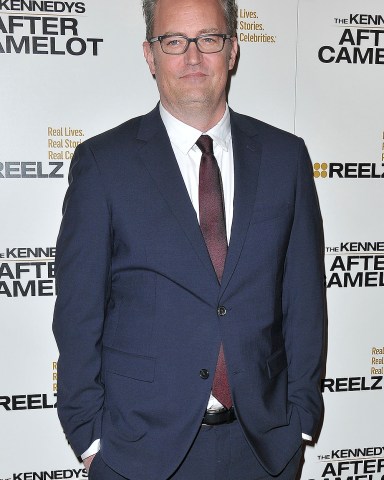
194	100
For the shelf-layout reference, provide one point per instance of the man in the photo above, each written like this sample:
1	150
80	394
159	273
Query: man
190	309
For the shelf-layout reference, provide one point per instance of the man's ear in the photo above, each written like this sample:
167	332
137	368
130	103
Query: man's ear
233	53
148	54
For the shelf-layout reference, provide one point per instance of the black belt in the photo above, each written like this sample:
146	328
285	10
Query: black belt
217	418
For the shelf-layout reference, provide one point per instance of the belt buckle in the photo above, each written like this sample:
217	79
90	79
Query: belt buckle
218	417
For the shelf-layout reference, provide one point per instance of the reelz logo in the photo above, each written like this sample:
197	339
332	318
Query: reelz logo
348	170
30	401
48	475
40	33
27	272
352	384
31	170
355	463
357	45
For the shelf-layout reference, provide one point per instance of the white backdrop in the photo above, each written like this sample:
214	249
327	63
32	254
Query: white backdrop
313	67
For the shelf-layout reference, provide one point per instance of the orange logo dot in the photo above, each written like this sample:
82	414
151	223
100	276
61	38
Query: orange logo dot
320	170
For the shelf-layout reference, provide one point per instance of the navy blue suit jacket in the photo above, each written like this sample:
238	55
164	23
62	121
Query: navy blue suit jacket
136	318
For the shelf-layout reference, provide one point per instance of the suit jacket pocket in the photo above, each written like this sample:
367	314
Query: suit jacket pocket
263	212
129	382
129	365
93	469
276	363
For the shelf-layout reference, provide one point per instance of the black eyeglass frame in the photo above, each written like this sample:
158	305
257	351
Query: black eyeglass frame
160	39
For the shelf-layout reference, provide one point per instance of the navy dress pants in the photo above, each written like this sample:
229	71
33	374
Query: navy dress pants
218	453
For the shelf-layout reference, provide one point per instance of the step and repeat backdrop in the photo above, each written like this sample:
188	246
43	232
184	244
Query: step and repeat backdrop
69	70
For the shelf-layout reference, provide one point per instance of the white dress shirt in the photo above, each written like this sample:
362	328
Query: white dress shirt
183	140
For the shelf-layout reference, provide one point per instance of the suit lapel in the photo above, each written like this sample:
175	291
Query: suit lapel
247	160
158	156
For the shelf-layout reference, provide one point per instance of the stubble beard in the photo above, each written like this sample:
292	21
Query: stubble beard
193	107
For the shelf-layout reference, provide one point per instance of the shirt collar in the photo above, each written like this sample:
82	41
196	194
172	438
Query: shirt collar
184	136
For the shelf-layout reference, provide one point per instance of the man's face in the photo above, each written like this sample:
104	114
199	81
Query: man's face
192	79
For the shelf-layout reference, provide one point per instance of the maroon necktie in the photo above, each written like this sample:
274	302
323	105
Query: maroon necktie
212	225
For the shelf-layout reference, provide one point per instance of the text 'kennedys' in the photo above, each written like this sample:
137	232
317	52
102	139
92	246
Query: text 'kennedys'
44	6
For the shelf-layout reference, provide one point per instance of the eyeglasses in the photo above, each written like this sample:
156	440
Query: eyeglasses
178	44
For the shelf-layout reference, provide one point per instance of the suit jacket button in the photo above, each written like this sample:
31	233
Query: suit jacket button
204	374
221	311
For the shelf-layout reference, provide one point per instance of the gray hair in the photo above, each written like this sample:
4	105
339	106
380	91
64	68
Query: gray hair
229	7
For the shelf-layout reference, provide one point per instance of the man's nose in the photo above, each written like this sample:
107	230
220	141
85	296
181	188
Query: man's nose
192	55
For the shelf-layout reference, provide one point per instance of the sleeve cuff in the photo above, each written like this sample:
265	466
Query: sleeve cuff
94	448
306	437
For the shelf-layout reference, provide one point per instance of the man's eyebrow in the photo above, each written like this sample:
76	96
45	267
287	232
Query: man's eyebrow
174	33
200	32
208	30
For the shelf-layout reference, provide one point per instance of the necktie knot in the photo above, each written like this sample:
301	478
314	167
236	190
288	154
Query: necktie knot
205	143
